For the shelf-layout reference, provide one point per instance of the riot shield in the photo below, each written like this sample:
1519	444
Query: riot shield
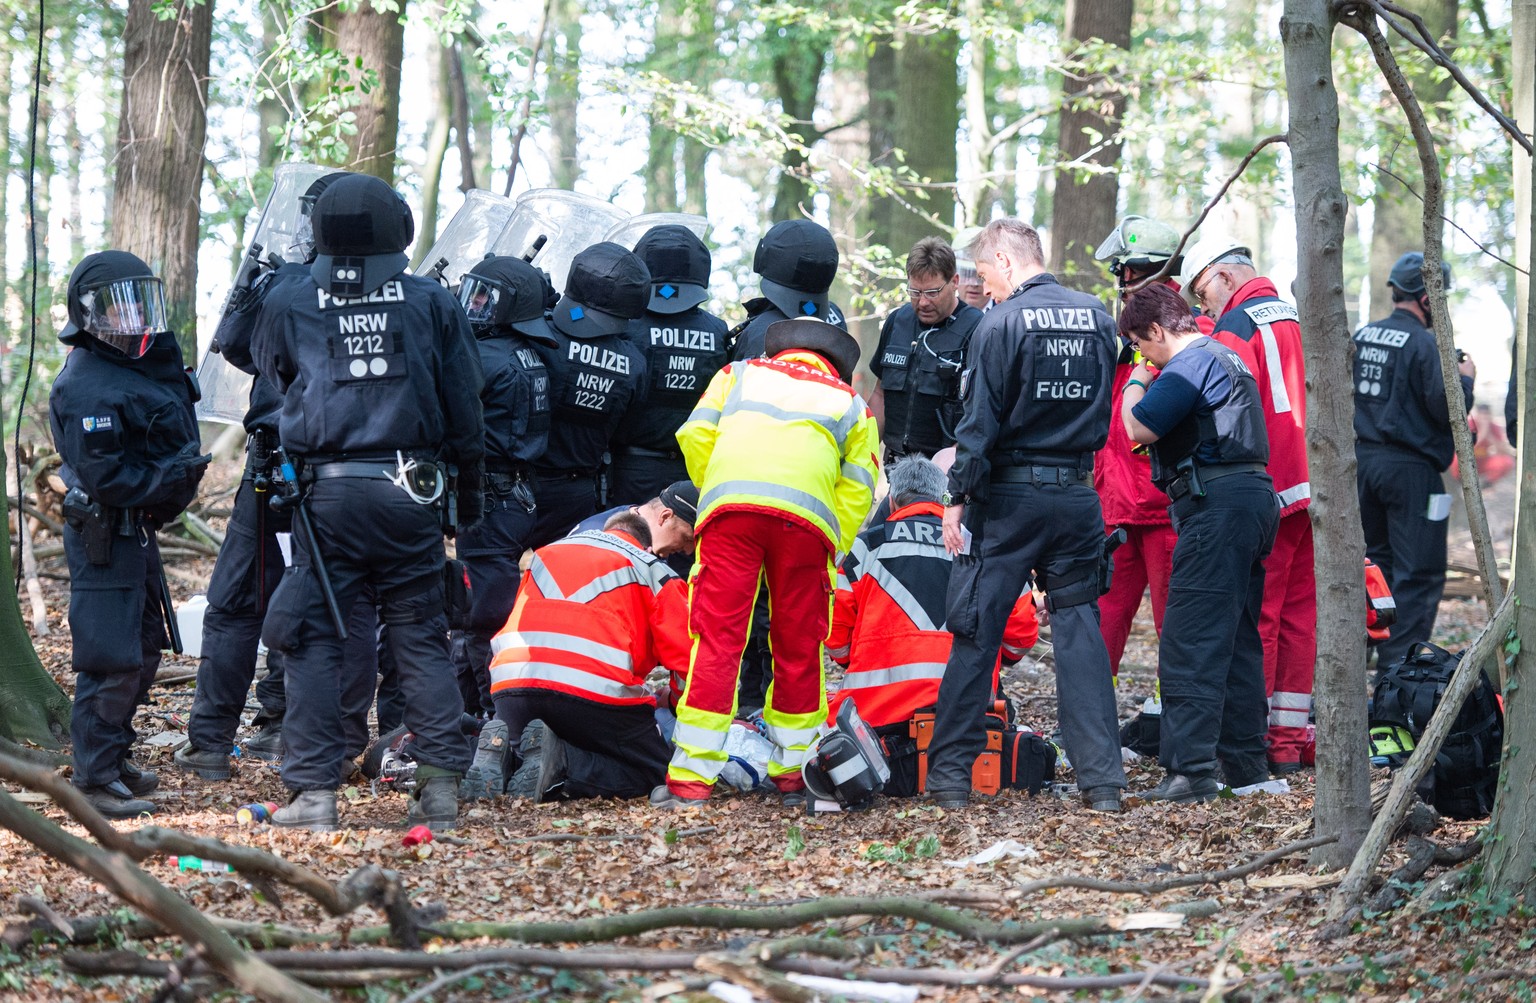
569	222
226	390
628	233
468	236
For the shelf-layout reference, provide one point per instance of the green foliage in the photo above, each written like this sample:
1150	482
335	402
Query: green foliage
923	848
796	843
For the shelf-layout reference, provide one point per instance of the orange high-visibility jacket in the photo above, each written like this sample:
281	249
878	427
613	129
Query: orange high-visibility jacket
888	619
595	612
1380	607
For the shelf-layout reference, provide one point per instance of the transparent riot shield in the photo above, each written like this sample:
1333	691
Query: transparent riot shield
468	236
569	223
226	390
629	232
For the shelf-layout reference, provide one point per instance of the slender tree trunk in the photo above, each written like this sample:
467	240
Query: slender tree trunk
1084	206
69	99
38	264
458	87
158	175
10	315
1511	837
662	162
975	190
927	119
563	97
1398	216
437	150
1343	805
32	707
482	122
700	30
375	40
798	62
271	116
880	79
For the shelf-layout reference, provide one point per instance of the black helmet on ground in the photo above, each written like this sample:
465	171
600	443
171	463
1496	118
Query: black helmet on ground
115	298
503	292
362	228
797	260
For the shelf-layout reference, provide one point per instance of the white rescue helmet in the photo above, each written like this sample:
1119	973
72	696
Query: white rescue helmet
1208	251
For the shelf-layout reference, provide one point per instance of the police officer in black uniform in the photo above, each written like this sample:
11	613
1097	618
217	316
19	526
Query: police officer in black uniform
250	562
595	374
797	260
684	346
920	355
1204	420
381	405
1403	444
504	298
1021	503
122	417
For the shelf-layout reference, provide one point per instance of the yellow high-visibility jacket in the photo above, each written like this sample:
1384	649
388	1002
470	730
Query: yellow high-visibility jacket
786	436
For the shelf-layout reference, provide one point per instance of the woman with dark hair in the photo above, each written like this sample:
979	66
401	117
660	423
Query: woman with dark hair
1201	417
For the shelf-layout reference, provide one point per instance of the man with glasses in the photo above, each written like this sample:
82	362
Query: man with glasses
921	352
1252	319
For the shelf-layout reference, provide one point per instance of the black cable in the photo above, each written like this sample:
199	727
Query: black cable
26	383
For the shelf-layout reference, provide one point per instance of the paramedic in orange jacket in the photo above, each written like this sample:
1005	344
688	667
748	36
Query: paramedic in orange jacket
594	614
785	456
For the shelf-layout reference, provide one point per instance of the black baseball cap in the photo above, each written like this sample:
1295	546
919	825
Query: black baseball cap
1408	273
797	260
682	497
606	289
679	264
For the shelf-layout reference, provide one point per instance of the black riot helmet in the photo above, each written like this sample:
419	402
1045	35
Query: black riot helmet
362	228
797	260
304	240
115	298
606	289
502	292
679	264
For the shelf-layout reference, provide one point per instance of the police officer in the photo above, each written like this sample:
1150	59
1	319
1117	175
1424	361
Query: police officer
123	422
1402	444
595	374
920	354
684	346
504	298
1021	503
381	387
1204	420
250	562
797	261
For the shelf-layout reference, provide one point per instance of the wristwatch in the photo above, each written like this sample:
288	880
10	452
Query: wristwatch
951	499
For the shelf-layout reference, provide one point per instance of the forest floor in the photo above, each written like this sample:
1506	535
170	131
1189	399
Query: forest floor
1252	938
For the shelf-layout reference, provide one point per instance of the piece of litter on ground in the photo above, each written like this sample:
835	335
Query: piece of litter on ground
1128	756
1149	921
1010	848
731	993
166	738
853	989
1279	786
1303	881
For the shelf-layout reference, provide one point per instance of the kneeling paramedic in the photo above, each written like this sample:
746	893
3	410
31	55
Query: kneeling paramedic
123	423
888	626
381	406
784	453
595	613
1204	420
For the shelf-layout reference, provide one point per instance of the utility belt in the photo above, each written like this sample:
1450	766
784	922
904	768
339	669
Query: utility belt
424	480
510	483
650	454
564	475
1193	477
1039	474
97	524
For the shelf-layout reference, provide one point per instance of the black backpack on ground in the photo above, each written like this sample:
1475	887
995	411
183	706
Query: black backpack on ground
1466	772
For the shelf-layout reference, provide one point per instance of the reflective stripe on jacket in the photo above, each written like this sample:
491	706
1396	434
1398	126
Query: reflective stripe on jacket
594	614
888	618
784	436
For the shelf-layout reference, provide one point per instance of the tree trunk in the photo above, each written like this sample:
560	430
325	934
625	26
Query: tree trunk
927	118
1083	209
437	149
374	40
798	59
880	79
158	173
1398	216
1343	805
39	211
458	87
563	96
32	707
69	93
662	161
1511	838
271	115
6	310
974	190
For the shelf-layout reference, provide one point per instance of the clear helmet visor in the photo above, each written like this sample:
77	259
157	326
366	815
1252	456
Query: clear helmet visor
479	298
127	314
303	246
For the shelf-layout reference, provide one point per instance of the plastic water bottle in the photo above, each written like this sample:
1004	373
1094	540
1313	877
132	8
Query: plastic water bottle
199	864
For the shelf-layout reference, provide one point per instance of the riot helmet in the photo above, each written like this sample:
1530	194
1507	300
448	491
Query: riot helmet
115	298
1141	244
304	240
606	289
1408	274
503	292
362	228
679	264
797	260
